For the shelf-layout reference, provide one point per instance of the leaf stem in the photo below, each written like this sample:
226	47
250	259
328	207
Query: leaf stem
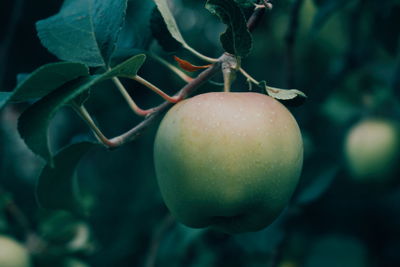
82	111
129	100
157	90
174	69
248	76
199	55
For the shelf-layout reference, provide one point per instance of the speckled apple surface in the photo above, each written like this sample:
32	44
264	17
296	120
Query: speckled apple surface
230	161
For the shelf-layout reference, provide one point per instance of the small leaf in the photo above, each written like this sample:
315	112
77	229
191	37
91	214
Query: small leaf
47	78
34	121
237	39
57	186
161	34
84	31
295	96
186	65
169	20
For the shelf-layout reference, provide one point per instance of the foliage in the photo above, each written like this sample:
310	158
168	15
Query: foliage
344	55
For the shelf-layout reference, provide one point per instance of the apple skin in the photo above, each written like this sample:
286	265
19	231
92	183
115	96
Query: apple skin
229	161
372	150
13	254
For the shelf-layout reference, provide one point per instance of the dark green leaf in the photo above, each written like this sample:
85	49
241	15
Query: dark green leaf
48	78
169	20
84	30
108	19
57	186
135	34
160	32
236	39
33	123
4	97
323	178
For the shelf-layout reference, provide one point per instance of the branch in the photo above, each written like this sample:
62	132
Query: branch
158	111
154	113
290	39
9	36
255	18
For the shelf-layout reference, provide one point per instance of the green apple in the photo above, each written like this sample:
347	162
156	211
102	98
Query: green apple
372	149
230	161
13	254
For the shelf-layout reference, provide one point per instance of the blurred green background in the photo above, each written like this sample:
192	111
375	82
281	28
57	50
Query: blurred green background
346	58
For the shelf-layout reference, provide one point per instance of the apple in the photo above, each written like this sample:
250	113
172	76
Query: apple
229	161
372	149
13	254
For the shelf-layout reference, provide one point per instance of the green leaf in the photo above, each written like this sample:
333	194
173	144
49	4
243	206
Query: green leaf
290	96
135	34
34	121
323	178
161	34
4	97
169	20
48	78
84	30
57	186
236	39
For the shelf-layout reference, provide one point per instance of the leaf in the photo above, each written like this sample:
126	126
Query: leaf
34	121
135	34
57	186
236	39
4	97
84	30
290	96
320	184
169	20
186	65
108	19
161	34
47	78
